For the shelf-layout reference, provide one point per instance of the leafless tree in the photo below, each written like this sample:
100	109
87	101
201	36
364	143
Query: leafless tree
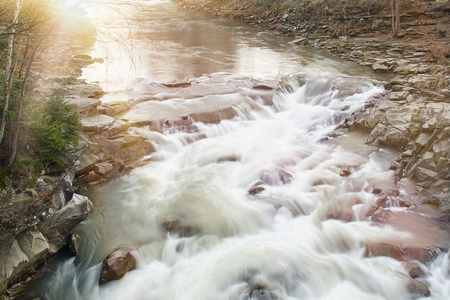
395	5
26	24
9	66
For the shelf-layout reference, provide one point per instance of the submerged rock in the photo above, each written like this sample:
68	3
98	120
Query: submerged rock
175	227
418	289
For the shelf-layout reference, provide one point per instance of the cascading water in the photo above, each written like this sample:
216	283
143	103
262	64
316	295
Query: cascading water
300	236
263	206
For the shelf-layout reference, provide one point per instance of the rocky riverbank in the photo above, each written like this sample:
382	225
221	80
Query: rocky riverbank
414	116
38	214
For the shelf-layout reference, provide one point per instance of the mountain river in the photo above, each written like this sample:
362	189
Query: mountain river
263	205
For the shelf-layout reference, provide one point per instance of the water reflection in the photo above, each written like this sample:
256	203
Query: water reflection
161	42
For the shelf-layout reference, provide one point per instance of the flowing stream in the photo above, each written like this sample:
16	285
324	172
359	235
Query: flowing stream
262	205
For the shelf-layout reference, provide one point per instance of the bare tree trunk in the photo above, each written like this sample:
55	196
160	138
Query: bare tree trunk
9	70
395	8
28	64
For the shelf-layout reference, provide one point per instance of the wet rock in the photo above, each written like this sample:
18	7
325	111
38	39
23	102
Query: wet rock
261	294
256	190
117	264
56	228
97	123
214	117
402	253
85	106
415	269
265	87
113	108
83	57
85	163
231	158
74	243
418	289
276	176
345	172
84	90
261	290
103	168
118	127
128	146
176	227
212	108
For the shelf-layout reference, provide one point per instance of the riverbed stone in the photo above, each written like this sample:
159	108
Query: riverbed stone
117	264
177	227
415	269
85	106
418	289
402	253
97	123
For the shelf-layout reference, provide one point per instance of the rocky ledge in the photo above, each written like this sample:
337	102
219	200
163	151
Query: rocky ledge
120	136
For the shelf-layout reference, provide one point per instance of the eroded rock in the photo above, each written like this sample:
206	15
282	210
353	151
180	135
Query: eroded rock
21	253
117	264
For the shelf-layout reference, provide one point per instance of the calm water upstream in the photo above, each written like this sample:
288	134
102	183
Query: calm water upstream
263	207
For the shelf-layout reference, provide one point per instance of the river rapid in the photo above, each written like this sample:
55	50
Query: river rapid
267	204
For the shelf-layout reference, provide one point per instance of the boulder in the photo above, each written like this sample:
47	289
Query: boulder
57	228
117	264
85	163
128	146
22	253
103	168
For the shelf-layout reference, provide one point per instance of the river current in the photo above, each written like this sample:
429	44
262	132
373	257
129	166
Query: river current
266	204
